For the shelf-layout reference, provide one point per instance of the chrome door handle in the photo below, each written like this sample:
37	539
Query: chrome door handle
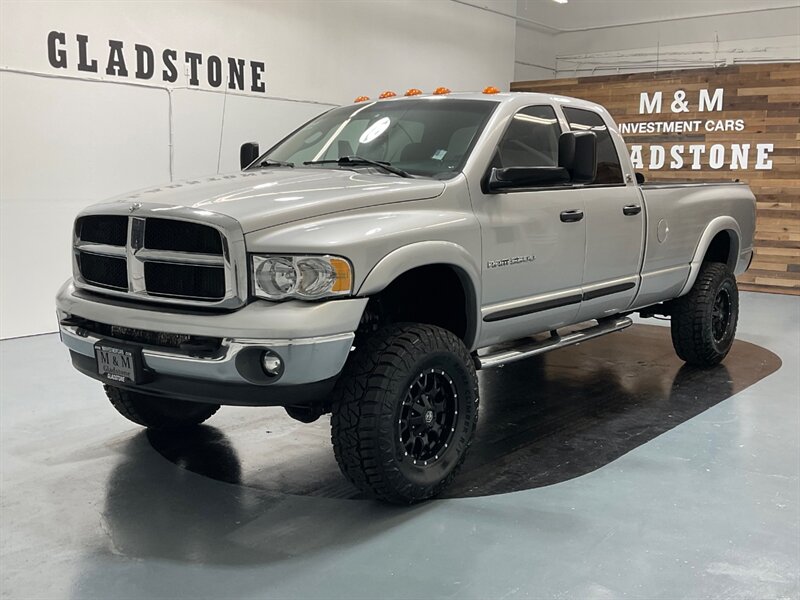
631	210
571	216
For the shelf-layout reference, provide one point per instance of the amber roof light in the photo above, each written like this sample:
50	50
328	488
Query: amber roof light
361	99
491	90
414	92
387	94
441	91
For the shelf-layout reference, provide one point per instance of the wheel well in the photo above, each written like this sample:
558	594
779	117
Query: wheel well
434	294
719	250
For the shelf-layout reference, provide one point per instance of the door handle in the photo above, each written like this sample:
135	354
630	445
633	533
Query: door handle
631	209
571	216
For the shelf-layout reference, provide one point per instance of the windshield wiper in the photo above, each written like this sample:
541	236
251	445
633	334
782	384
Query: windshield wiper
349	160
270	162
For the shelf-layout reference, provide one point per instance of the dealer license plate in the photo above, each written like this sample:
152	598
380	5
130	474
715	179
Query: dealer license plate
117	363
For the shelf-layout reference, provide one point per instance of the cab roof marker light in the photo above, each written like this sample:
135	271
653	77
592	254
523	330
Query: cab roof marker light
387	94
441	91
490	89
360	99
413	92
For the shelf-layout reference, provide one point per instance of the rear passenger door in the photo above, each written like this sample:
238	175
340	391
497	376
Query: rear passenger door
614	215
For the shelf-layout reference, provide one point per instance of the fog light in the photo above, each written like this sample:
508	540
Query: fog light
271	363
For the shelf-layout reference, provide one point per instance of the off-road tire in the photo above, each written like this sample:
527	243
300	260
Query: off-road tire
375	391
695	316
155	412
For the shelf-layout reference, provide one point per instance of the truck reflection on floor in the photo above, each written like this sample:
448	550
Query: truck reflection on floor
543	421
155	508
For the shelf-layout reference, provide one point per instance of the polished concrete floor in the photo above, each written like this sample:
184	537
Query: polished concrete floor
600	471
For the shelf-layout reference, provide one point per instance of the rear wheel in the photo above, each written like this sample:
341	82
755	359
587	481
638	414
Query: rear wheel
156	412
404	412
704	320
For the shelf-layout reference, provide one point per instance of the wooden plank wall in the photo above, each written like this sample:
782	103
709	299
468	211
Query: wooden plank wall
766	97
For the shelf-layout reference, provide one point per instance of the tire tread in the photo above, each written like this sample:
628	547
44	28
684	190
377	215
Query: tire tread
154	413
365	388
689	317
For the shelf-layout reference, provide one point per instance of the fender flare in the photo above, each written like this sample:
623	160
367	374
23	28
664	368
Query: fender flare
717	225
422	254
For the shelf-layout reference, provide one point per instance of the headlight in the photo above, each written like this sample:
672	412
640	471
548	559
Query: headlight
302	277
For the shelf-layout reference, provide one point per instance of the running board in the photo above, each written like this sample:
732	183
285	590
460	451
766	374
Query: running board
527	347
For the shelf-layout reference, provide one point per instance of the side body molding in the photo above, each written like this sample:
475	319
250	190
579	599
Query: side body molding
716	225
421	254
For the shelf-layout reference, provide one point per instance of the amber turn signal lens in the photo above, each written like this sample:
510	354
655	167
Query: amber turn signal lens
387	94
491	90
413	92
441	91
344	275
361	99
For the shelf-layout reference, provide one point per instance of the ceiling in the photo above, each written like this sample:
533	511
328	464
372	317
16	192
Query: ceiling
582	14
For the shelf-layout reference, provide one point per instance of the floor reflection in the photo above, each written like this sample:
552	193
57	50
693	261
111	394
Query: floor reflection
153	509
543	420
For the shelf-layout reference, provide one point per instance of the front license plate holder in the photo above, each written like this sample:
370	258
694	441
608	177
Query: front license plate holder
119	363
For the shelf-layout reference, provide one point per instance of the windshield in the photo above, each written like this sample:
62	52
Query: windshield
429	137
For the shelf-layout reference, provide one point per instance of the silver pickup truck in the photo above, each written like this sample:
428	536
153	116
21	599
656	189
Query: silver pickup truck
370	262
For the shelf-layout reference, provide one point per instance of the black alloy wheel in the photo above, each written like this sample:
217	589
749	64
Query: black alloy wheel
721	315
428	416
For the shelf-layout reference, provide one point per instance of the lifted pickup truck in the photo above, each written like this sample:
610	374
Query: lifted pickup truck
369	263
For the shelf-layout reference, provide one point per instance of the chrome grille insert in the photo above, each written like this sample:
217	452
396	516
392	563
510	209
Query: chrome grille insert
189	259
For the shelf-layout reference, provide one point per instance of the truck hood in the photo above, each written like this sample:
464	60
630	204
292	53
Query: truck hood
274	196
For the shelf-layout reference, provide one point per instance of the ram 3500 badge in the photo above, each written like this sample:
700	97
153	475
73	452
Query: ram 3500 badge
352	269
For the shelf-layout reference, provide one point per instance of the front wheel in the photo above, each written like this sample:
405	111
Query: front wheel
704	320
156	412
404	412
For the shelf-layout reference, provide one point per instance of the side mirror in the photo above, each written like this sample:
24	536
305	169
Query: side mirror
577	153
524	177
248	153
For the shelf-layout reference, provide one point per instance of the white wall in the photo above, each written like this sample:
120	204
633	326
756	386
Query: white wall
762	34
67	142
768	35
535	54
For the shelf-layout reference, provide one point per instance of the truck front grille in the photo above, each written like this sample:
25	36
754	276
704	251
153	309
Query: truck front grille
182	236
188	281
105	271
103	229
160	260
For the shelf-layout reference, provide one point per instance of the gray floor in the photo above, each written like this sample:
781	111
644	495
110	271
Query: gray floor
91	510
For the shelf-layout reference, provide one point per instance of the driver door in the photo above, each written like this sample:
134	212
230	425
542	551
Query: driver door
533	239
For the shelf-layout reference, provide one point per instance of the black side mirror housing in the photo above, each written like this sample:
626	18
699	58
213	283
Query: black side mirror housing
525	177
577	153
248	153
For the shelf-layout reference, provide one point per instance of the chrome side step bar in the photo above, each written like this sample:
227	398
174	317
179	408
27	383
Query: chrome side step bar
528	347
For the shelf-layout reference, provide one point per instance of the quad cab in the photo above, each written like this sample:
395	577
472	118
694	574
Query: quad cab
372	261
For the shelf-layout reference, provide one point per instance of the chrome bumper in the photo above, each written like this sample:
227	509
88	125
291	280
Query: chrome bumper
322	336
305	360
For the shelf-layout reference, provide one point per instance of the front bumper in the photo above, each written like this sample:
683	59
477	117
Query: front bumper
313	340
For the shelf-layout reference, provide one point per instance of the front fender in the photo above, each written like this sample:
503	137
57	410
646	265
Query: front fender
422	254
419	254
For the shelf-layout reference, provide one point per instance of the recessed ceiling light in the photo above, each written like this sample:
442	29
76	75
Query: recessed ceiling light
561	1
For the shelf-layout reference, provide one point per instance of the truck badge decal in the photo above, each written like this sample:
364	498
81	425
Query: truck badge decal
507	262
